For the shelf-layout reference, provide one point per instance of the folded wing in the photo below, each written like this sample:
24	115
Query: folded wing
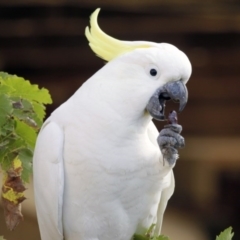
48	176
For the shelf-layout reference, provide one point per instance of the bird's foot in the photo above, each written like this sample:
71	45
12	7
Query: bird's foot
169	141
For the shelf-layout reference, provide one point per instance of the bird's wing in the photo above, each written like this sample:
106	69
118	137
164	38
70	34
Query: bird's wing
165	195
48	177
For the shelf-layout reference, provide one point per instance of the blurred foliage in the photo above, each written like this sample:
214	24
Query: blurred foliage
22	112
227	234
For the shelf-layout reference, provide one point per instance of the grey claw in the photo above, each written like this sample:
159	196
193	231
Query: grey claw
168	136
174	127
169	140
174	141
181	142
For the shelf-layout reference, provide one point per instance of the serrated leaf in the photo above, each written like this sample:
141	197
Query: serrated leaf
26	133
227	234
39	109
26	105
19	87
4	75
21	115
27	114
5	108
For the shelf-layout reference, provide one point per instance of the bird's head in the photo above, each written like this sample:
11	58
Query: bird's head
152	72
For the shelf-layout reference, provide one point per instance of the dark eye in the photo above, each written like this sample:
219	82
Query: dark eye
153	72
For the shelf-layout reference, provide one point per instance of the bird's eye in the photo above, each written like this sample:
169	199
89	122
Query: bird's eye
153	72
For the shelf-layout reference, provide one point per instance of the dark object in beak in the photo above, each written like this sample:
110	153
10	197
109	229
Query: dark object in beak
176	91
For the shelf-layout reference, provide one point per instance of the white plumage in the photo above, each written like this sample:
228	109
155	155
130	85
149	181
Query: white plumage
98	169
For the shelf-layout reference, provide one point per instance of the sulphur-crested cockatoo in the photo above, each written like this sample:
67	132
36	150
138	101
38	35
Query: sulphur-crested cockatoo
99	172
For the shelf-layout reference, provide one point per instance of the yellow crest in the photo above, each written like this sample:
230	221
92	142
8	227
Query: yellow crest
107	47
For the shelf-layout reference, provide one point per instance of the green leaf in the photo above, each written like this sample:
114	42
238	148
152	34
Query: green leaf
4	144
39	109
7	154
14	144
140	237
5	108
3	88
148	235
144	237
227	234
19	87
4	75
22	112
26	156
26	133
161	237
2	238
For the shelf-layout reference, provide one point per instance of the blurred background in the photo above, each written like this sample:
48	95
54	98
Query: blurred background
43	41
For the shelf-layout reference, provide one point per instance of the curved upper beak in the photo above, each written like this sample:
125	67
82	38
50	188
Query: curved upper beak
176	91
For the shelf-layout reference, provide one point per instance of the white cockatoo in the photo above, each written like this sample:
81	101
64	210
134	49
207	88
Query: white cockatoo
102	171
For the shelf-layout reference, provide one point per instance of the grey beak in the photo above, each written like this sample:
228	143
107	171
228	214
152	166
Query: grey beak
176	91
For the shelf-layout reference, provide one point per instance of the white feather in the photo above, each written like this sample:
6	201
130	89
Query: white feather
49	181
165	196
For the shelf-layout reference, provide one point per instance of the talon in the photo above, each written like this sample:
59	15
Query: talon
169	140
174	127
181	142
165	141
